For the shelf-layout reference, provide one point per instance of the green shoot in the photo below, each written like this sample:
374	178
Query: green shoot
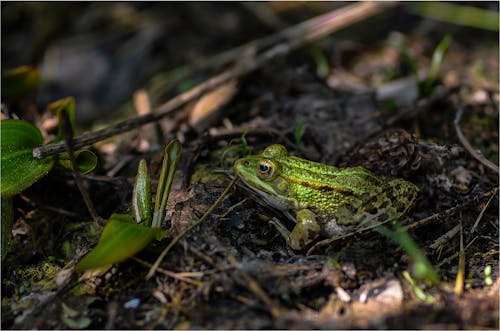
239	145
299	132
422	269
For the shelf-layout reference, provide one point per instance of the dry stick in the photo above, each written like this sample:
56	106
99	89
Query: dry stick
256	46
477	155
446	212
68	136
459	281
255	287
155	266
302	34
476	223
169	273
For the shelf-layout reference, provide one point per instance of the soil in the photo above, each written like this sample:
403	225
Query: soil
234	271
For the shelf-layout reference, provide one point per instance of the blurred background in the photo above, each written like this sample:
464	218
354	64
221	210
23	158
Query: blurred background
102	52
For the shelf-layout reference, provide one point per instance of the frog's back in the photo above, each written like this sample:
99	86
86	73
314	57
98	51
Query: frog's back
325	189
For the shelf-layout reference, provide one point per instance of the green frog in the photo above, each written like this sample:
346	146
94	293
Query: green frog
321	199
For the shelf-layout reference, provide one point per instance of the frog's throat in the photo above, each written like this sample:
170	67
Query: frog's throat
269	198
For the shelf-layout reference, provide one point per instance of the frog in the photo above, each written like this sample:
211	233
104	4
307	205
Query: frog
322	200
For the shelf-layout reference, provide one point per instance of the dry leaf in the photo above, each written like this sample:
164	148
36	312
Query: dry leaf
204	111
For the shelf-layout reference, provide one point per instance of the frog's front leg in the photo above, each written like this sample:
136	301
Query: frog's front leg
305	231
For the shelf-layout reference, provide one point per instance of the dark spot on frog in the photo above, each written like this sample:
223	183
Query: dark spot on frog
399	206
384	204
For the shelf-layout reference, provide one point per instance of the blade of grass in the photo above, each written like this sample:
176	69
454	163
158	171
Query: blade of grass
170	161
422	268
457	14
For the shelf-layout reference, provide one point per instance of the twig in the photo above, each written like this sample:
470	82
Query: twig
294	38
68	134
252	47
445	237
454	255
169	273
459	281
449	211
56	210
482	213
476	154
155	266
255	287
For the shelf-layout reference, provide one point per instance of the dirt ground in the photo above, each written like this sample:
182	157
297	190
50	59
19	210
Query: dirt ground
349	99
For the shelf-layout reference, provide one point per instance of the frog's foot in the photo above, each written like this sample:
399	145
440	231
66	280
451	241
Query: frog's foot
304	232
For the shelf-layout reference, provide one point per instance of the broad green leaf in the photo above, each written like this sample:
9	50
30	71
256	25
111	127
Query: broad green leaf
120	239
19	169
56	109
19	81
6	223
86	161
141	197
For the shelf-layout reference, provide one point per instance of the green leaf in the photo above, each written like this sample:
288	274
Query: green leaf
169	165
322	65
18	166
6	224
299	132
56	108
20	81
457	14
120	239
437	59
86	161
141	197
239	145
422	268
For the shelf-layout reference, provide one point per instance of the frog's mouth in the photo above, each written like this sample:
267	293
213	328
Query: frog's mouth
261	190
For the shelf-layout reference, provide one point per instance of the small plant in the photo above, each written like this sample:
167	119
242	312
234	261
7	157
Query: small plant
125	235
239	145
299	132
426	86
487	276
421	267
20	169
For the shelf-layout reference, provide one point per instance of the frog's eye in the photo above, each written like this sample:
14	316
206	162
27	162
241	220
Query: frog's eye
265	169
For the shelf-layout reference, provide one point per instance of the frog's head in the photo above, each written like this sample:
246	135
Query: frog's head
261	173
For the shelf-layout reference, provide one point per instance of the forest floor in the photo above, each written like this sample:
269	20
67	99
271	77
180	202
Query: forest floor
350	99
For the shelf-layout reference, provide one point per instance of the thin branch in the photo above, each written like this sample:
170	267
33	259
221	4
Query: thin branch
449	211
294	38
476	223
160	258
476	154
68	134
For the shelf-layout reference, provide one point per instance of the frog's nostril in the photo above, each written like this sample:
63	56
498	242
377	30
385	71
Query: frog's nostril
247	163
